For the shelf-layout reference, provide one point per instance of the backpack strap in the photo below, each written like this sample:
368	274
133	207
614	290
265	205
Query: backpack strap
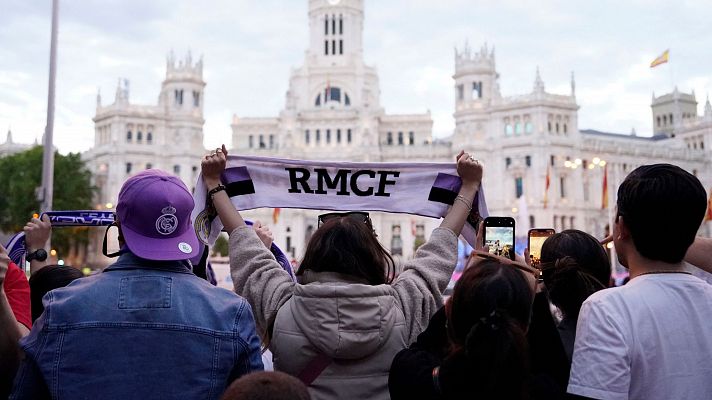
316	366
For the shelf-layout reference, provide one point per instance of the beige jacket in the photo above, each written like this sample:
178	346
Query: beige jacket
360	326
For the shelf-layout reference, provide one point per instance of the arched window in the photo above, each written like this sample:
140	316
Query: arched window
389	138
508	130
557	127
671	119
400	138
566	129
341	24
658	120
665	120
348	135
318	136
338	136
518	128
347	100
326	25
411	138
149	138
250	141
528	128
139	136
332	95
328	136
549	126
128	136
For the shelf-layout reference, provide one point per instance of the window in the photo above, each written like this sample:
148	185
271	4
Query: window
271	141
528	128
333	25
571	223
326	47
347	101
531	221
460	92
665	120
341	46
411	138
128	167
518	128
176	169
139	136
562	187
149	166
528	161
341	25
476	90
566	130
519	186
196	98
306	136
262	142
389	138
328	136
508	130
396	241
250	141
149	138
552	160
507	162
400	138
671	119
318	136
128	136
179	96
348	135
338	135
557	127
326	25
333	47
549	126
658	121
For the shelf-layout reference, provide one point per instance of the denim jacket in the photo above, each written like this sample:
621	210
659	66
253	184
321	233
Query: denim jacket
139	330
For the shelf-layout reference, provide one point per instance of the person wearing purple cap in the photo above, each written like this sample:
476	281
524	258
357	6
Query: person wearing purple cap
146	327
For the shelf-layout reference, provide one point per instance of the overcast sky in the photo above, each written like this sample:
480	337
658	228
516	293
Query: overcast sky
250	46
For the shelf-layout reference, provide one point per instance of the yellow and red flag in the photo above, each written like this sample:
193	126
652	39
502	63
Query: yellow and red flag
708	215
604	192
547	184
275	215
662	59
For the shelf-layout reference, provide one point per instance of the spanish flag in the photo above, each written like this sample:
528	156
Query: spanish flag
546	186
708	215
604	192
662	59
275	215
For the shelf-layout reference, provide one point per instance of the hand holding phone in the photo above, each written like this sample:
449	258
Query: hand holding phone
537	237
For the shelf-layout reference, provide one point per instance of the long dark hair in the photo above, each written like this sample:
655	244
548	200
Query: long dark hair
488	317
575	265
49	278
349	247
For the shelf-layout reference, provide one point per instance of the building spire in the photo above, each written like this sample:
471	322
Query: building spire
9	135
538	83
573	85
708	108
98	97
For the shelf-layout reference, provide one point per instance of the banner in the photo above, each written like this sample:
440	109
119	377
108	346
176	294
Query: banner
426	189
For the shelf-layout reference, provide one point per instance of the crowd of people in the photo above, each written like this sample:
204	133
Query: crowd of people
148	326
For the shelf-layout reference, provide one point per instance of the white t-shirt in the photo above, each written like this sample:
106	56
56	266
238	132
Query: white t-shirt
650	339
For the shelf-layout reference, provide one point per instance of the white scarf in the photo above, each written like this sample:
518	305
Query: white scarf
426	189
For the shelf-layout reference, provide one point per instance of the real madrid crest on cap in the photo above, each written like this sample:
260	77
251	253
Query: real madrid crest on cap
168	222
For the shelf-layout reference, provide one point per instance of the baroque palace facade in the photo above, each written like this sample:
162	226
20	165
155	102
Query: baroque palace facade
332	111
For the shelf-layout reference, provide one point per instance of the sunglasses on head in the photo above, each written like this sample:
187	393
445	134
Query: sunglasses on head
359	216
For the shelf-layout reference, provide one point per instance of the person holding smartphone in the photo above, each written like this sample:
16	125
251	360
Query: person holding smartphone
340	326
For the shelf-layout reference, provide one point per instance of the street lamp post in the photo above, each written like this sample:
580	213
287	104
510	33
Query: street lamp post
45	192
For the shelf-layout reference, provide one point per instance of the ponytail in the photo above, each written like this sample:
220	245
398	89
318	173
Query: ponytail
569	285
496	353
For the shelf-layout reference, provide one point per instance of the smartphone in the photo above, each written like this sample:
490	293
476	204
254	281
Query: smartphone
499	236
537	237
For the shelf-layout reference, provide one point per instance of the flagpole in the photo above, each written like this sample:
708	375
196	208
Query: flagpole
47	189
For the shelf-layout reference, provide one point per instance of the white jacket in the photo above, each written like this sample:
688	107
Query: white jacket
361	327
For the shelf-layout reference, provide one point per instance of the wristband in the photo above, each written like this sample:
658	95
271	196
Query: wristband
218	188
464	201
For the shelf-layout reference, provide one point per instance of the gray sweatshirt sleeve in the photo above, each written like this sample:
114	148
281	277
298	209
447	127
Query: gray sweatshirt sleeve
420	286
257	276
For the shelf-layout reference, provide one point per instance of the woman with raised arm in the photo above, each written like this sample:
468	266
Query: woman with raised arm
339	328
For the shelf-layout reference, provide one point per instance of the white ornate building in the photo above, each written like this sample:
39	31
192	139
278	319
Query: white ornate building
10	147
332	111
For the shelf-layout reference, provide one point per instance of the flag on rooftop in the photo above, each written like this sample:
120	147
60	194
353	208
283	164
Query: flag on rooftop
662	59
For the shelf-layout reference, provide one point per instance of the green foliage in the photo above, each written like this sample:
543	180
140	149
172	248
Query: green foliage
221	246
21	174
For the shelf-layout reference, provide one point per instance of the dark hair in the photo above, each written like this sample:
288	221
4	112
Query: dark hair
662	205
49	278
488	317
266	386
349	247
574	266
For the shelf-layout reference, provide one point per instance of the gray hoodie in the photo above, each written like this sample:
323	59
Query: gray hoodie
359	326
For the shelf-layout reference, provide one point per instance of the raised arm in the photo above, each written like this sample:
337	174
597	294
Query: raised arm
37	234
256	274
419	287
700	254
10	330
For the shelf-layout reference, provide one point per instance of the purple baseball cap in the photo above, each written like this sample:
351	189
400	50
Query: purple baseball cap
154	212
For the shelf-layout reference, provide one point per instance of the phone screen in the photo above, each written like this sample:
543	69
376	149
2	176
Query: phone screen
537	237
500	240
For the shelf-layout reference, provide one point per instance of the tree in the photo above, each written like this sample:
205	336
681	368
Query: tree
21	174
220	247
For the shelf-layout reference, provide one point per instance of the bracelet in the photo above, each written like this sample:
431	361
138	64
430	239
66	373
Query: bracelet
218	188
464	201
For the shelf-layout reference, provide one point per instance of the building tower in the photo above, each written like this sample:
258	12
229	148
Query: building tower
336	31
671	110
476	86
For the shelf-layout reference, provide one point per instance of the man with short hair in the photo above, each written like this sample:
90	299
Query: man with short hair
652	338
145	328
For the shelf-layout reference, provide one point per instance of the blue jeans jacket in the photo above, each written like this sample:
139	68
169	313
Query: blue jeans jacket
139	330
